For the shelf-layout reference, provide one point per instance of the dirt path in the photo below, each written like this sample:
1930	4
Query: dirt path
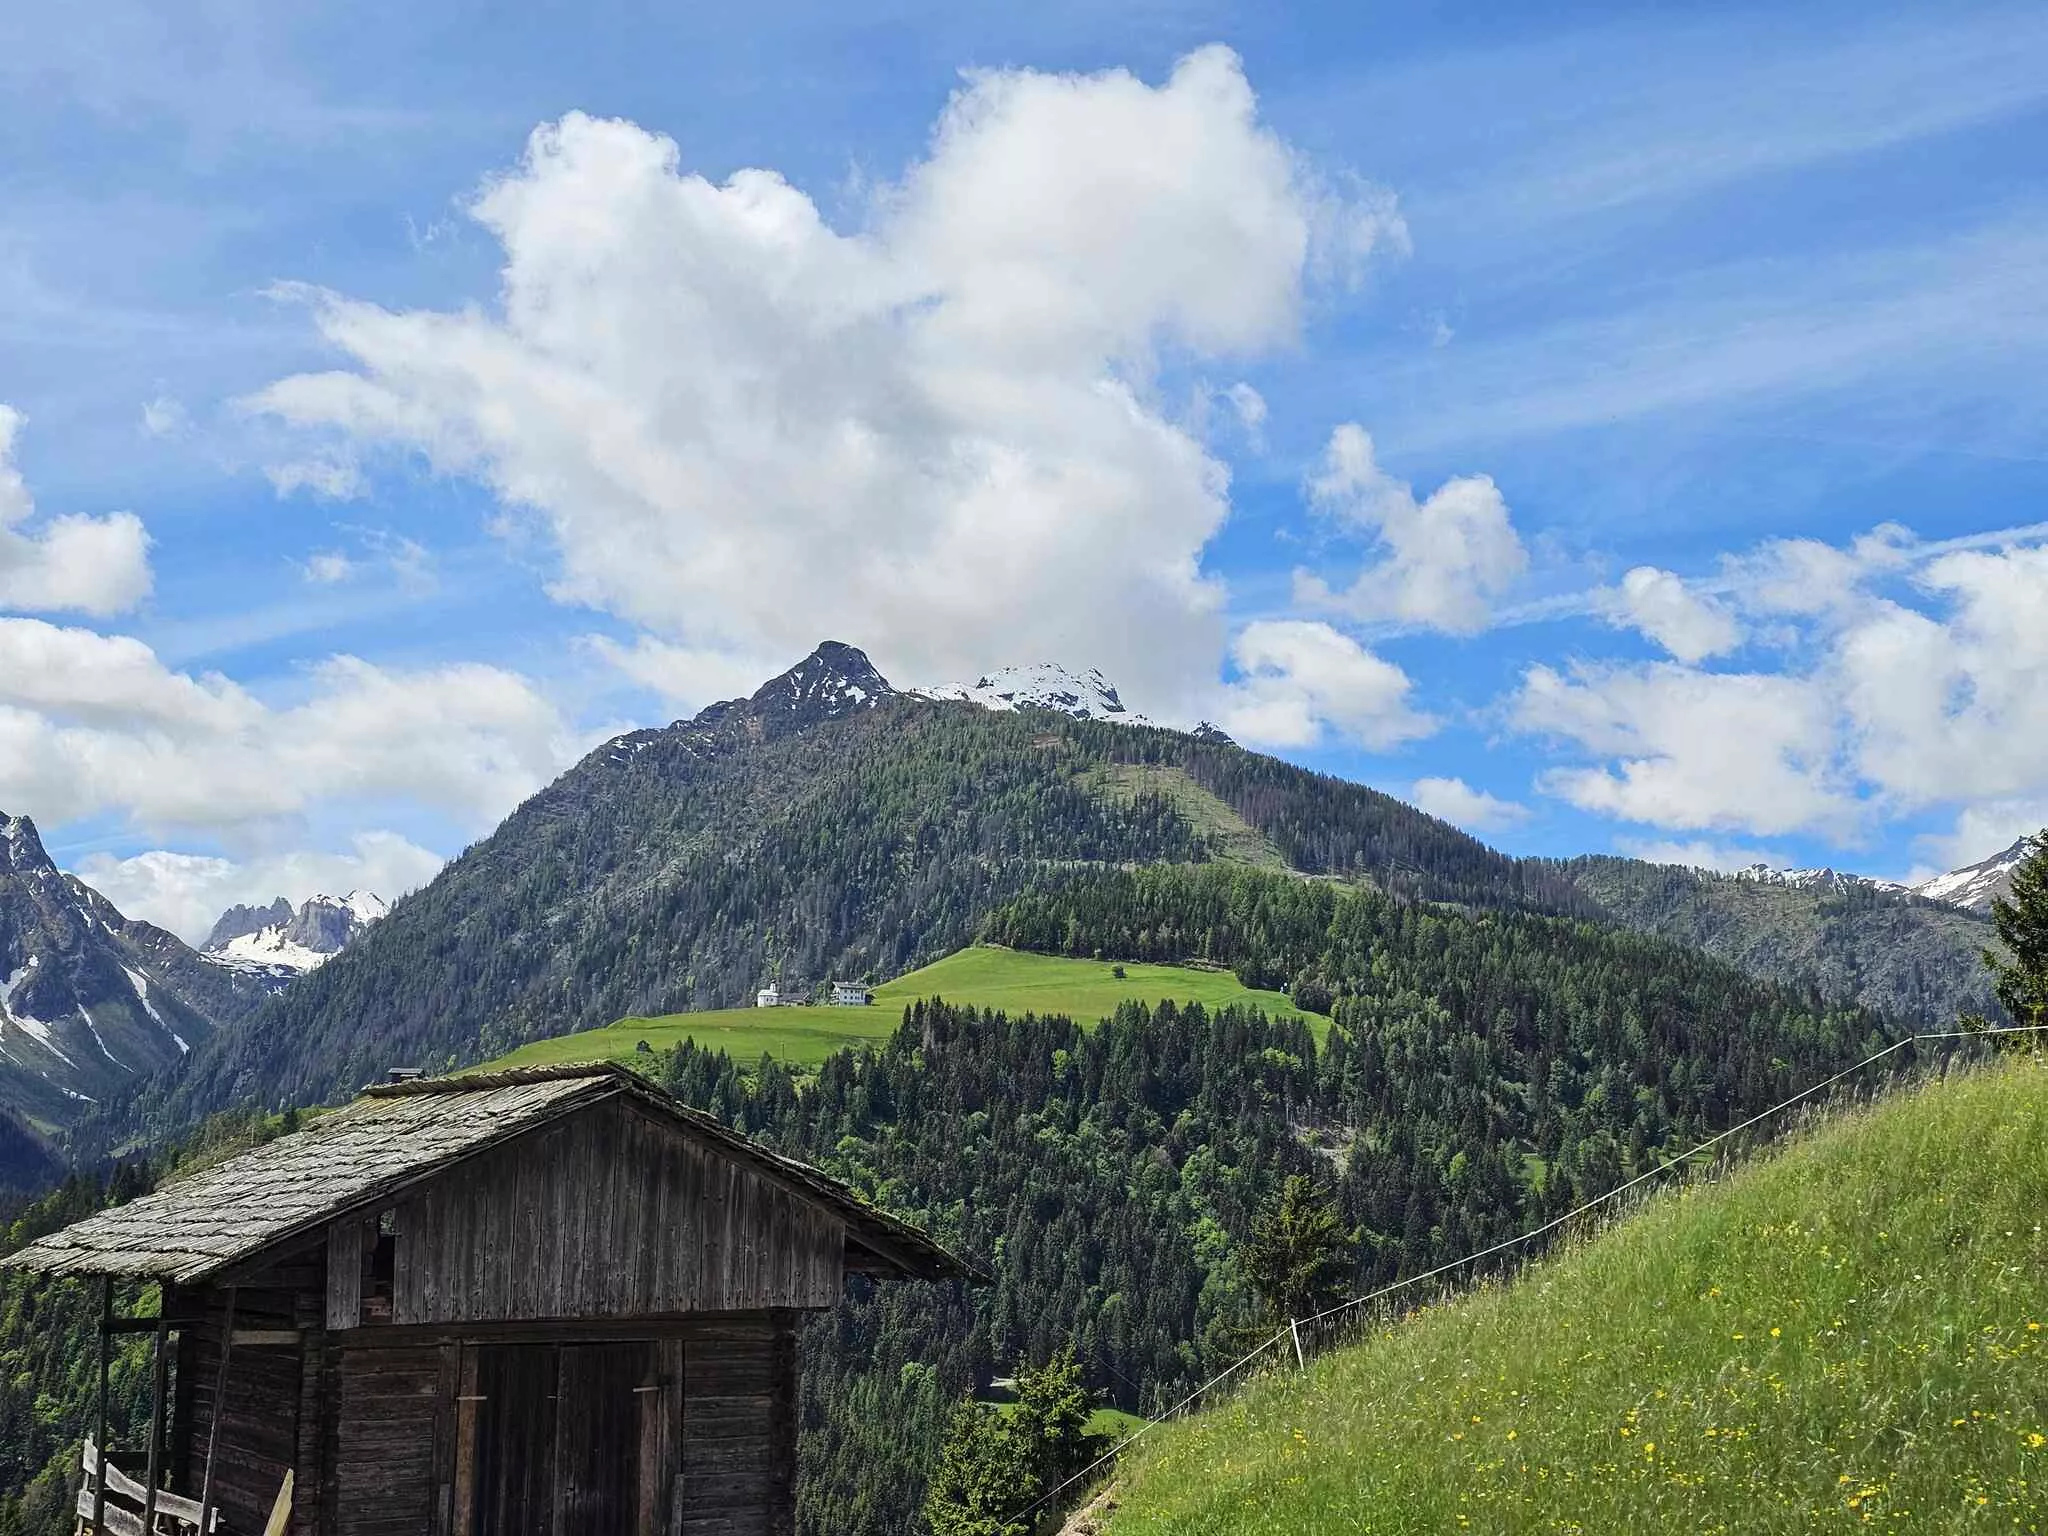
1090	1518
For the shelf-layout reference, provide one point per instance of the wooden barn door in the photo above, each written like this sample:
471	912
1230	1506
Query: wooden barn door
598	1436
569	1439
511	1473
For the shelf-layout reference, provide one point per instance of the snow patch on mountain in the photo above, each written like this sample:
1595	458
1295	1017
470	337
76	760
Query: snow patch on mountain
100	1040
41	1031
141	984
1043	685
1977	885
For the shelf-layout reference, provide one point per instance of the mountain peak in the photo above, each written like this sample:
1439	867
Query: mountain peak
833	680
20	847
88	999
243	919
279	941
1977	885
1826	878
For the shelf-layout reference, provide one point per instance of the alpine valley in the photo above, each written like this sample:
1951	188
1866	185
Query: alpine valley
1482	1042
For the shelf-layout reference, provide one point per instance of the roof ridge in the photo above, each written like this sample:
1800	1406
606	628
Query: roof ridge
502	1077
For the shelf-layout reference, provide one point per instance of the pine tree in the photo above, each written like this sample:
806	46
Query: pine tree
2021	922
982	1478
1300	1255
1051	1421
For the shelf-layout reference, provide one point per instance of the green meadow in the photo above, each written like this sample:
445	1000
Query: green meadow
985	976
1849	1335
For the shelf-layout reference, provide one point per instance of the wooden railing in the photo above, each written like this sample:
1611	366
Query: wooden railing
126	1500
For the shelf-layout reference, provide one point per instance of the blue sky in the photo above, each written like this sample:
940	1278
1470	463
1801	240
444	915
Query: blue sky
1499	400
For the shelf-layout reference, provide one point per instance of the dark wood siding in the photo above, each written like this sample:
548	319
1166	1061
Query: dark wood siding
609	1213
390	1409
259	1407
739	1431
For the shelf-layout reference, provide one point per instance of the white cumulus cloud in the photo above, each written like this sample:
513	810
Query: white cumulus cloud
1447	558
1455	801
1690	749
936	435
1303	680
96	725
1913	679
1690	625
95	565
1953	704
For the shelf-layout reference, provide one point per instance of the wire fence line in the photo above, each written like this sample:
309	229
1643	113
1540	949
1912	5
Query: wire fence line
1320	1324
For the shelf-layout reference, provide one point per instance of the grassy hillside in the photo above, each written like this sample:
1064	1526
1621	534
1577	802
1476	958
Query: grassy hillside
1853	1334
985	977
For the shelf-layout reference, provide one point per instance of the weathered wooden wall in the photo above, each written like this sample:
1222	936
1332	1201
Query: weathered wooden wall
739	1431
386	1461
438	1433
610	1213
260	1408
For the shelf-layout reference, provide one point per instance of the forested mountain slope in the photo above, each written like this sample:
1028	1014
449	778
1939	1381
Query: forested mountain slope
826	826
1857	941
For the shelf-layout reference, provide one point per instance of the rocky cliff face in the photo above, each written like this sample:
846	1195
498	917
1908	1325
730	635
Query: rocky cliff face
89	1001
288	941
240	921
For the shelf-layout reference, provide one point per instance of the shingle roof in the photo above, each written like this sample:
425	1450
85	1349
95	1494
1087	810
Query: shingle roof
393	1136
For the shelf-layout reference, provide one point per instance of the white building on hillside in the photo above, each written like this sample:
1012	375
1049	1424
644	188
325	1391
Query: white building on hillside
775	995
850	994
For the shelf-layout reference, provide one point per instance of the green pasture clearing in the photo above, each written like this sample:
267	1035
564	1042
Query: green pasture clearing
986	976
1236	839
1850	1335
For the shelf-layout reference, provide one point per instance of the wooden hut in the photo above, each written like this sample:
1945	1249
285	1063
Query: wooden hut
553	1301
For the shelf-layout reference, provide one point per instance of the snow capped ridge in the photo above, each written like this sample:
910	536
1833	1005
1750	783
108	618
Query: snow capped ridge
1041	685
319	929
1977	885
1822	879
1973	887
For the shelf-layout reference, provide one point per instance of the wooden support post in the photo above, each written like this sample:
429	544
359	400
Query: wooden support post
159	1371
1300	1359
99	1495
215	1415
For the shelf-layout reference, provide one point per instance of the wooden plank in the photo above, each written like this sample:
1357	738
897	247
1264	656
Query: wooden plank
281	1511
106	1517
309	1488
465	1447
386	1405
120	1484
345	1273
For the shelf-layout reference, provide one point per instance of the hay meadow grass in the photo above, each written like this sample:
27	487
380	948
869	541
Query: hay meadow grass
986	976
1849	1335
